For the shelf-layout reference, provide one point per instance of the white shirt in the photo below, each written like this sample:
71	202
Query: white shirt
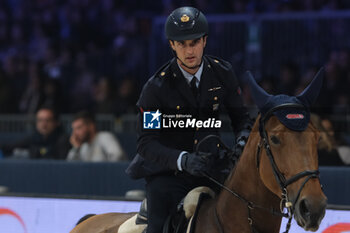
189	76
104	147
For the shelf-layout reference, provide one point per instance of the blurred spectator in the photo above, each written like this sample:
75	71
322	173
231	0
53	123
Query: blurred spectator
342	148
15	71
103	96
127	95
49	140
53	94
33	96
90	145
288	80
5	94
306	78
238	6
77	41
328	154
82	89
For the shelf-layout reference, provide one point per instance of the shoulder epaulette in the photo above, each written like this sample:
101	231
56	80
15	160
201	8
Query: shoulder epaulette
218	62
163	71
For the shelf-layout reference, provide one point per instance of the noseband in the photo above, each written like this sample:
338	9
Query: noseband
280	178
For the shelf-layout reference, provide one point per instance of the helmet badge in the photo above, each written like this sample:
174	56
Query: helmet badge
184	18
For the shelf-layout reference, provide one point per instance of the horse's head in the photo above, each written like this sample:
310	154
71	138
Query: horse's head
288	160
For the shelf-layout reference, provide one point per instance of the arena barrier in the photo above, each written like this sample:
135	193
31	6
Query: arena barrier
44	177
48	177
57	215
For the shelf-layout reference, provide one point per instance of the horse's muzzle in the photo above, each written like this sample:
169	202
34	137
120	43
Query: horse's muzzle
309	212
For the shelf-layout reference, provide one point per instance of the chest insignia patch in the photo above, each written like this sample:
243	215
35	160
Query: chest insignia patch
214	89
215	107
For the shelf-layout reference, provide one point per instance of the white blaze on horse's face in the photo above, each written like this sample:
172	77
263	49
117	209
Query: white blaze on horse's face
295	152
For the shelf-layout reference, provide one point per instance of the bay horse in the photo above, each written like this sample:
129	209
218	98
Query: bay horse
276	176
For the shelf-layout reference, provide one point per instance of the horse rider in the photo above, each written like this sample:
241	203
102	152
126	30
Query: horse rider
180	105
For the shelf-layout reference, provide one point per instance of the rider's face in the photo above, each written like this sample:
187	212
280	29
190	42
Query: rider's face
189	52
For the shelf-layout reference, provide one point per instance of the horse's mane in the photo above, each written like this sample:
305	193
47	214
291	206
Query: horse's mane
255	128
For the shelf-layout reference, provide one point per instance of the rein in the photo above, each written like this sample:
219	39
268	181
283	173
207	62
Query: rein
280	178
250	206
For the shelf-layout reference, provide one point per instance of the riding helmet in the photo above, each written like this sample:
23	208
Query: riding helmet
186	23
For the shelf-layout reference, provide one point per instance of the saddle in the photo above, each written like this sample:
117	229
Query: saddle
181	222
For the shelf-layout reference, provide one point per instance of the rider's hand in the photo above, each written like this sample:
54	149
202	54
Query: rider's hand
195	164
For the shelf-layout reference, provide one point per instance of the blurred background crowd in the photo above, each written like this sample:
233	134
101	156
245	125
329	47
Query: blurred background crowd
83	54
93	55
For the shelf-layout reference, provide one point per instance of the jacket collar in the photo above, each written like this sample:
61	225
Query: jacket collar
181	84
189	76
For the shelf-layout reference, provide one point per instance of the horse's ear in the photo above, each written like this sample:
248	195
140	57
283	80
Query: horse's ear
259	95
310	94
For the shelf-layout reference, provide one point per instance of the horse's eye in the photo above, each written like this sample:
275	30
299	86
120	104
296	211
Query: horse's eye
275	140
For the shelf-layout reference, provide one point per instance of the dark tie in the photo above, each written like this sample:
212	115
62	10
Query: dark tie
194	86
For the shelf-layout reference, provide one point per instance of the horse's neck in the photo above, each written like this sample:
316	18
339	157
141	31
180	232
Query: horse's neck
245	181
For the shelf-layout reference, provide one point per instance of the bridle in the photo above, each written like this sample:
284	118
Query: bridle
280	178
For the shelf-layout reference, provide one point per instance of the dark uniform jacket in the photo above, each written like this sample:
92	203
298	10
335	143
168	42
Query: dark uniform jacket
169	92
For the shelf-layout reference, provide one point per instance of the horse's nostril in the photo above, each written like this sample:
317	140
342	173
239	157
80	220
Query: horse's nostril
304	210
